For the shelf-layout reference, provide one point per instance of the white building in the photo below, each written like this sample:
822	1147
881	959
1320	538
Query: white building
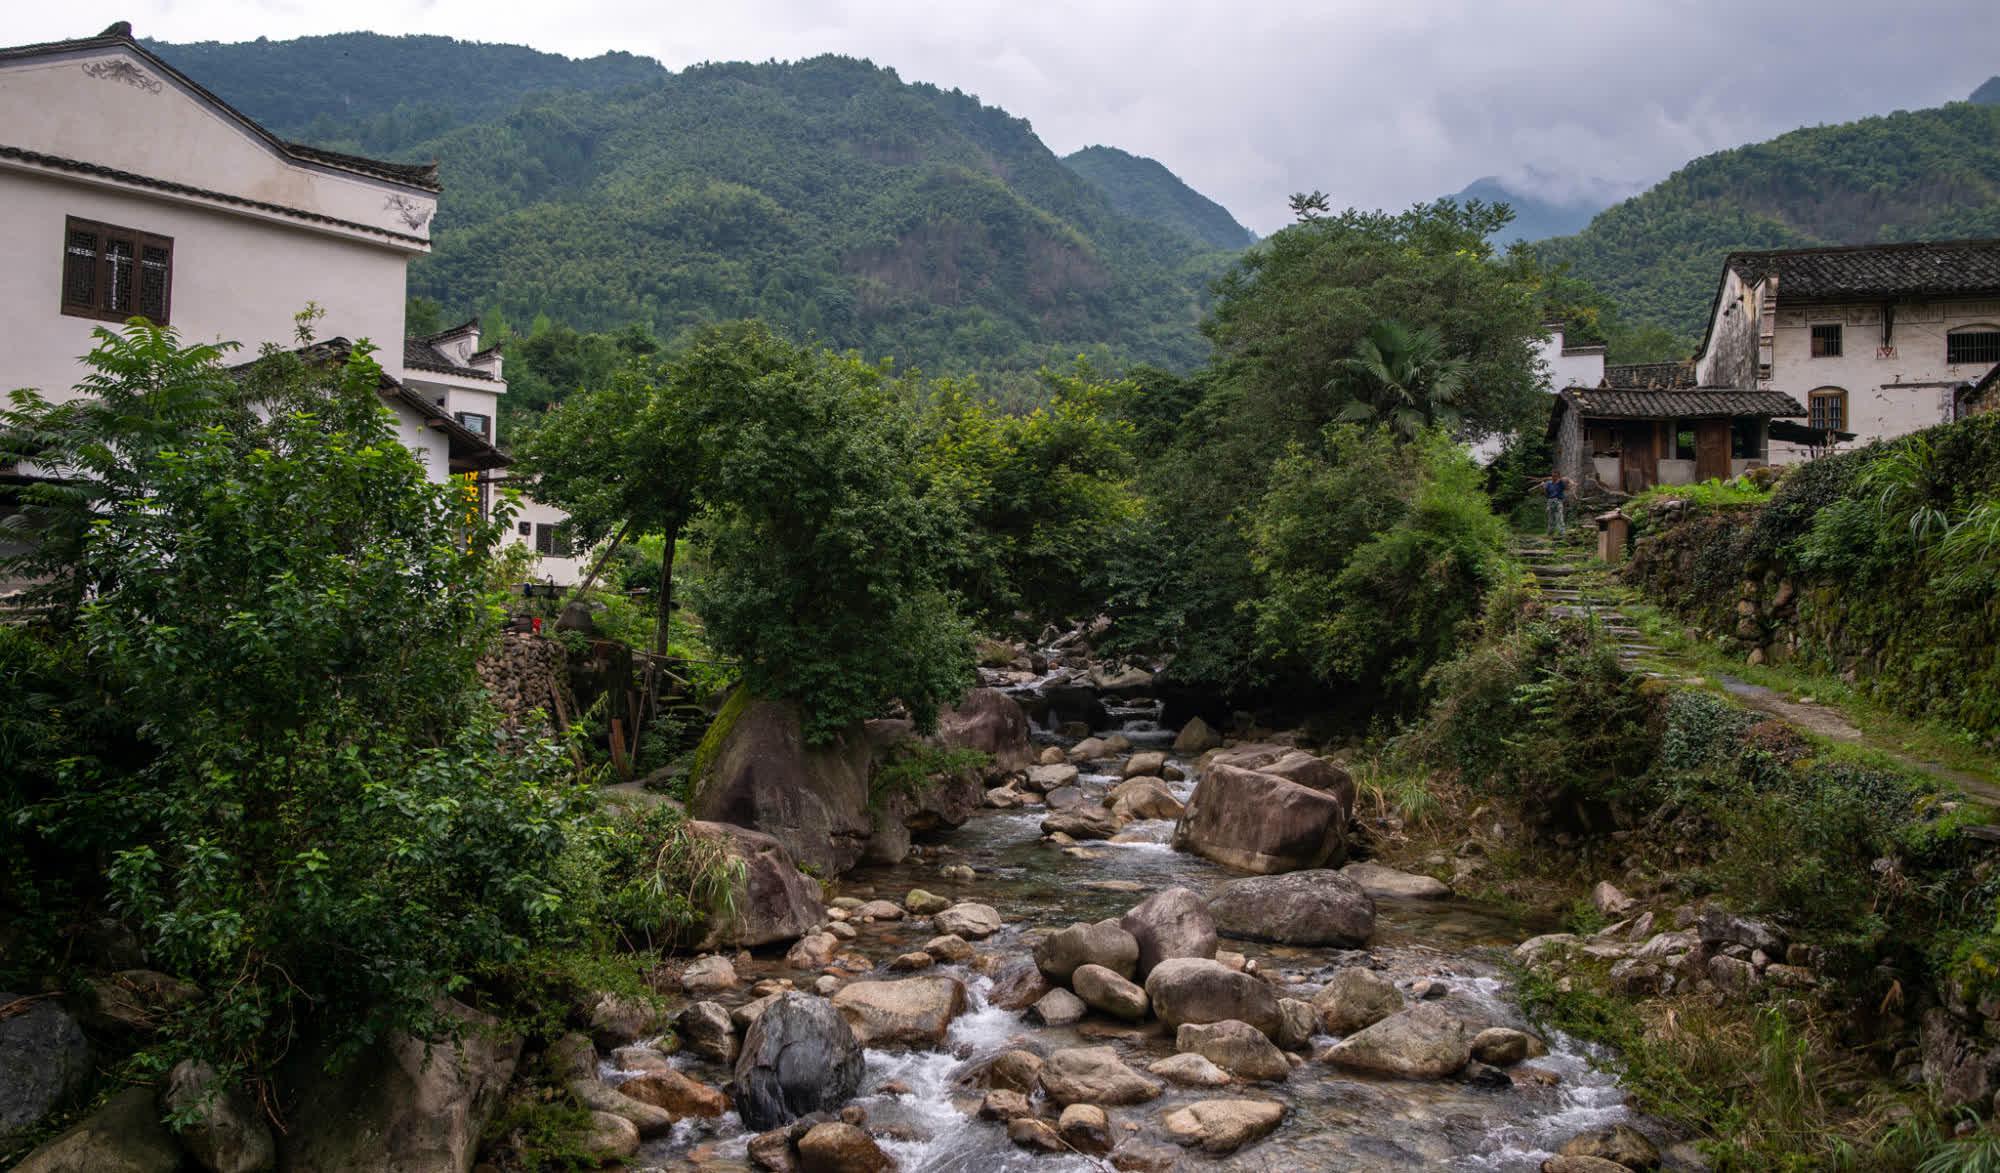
1875	340
1562	366
127	189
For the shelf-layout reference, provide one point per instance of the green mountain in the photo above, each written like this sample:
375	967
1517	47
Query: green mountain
1144	189
1906	176
1537	217
1988	93
827	196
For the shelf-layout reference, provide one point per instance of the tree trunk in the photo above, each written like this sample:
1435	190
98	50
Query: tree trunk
665	620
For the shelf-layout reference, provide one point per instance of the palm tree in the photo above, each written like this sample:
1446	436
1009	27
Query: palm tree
1403	378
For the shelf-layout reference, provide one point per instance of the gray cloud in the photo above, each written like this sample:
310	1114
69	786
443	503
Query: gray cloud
1379	105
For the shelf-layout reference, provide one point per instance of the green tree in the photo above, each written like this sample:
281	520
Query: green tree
829	559
268	722
1403	378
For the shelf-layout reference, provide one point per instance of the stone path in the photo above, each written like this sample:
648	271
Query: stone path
1559	571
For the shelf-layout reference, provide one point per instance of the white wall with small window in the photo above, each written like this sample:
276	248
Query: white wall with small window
545	530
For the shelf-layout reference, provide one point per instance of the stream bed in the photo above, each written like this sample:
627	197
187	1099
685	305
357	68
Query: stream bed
1335	1120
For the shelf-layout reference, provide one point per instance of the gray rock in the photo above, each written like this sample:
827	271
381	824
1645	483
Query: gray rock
1018	985
917	1011
1093	1075
1236	1047
800	1056
1085	1128
1058	1007
1046	778
1082	822
1318	907
225	1133
1503	1047
1299	1022
1104	943
1170	923
1189	1070
971	921
616	1020
1196	738
708	975
770	901
124	1136
1719	927
1424	1042
1620	1144
1109	992
764	777
1143	798
611	1137
1223	1126
991	722
1194	989
1144	765
1386	883
706	1030
402	1104
44	1061
839	1147
1609	901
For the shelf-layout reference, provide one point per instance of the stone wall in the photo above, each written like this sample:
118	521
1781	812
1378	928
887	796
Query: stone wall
526	672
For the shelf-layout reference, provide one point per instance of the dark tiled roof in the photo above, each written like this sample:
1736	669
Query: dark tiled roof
1650	376
467	446
417	175
76	165
1696	403
419	353
1940	268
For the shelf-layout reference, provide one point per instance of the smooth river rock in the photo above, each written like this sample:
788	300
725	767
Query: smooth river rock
1168	924
970	921
1389	884
917	1011
1237	1047
1110	993
800	1056
1195	989
1223	1126
1354	999
1104	943
1424	1042
1093	1075
1318	907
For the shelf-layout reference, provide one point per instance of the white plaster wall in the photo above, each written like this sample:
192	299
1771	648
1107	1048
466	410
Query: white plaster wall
1887	396
233	279
110	107
561	571
1571	370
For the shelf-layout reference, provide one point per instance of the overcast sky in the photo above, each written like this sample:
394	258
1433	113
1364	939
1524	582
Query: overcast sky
1380	104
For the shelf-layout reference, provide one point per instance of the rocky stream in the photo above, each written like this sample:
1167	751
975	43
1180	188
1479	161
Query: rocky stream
1313	1019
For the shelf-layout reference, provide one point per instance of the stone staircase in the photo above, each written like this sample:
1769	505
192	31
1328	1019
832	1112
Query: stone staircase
1560	576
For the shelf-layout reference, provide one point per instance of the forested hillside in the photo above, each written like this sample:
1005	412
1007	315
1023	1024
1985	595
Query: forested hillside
1144	189
1538	217
1906	176
826	196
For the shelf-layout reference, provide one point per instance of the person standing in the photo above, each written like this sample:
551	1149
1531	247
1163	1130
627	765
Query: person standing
1555	495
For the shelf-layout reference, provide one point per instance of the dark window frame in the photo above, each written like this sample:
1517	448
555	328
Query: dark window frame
553	541
99	300
485	429
1826	340
1972	344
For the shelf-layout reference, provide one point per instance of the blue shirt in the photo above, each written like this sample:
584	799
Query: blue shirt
1554	489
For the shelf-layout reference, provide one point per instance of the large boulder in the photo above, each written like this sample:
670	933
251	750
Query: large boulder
1171	923
44	1061
1386	883
1315	773
223	1131
125	1136
1318	907
799	1057
1104	943
1355	999
1223	1126
706	1030
756	771
839	1147
1018	984
969	920
1196	989
1143	797
1082	822
1196	737
1237	1047
1262	823
991	722
403	1104
1424	1042
772	900
917	1011
1093	1075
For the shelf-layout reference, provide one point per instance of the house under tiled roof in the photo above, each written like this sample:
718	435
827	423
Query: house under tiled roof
423	176
468	449
1693	403
1869	272
1650	376
423	353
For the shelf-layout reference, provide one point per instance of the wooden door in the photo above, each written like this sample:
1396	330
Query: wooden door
1638	468
1711	450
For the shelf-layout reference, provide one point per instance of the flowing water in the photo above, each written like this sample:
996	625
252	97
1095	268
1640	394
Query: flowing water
1336	1120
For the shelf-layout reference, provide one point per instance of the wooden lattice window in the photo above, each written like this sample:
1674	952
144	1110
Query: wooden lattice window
1827	409
1826	340
1980	344
114	273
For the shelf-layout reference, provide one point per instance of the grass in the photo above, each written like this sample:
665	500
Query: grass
1709	494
